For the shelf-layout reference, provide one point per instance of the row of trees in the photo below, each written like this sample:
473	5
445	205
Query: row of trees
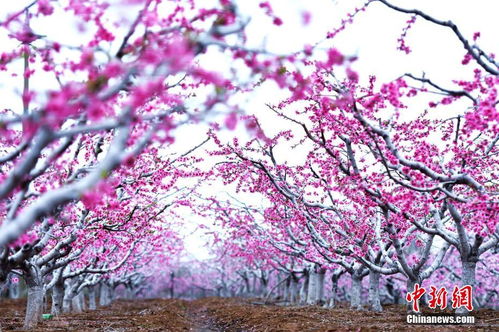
102	241
399	179
307	283
89	169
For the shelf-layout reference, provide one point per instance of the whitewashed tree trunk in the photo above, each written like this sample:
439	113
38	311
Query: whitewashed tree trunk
356	293
83	300
76	303
36	293
469	270
34	306
254	281
304	289
410	287
68	299
45	302
264	283
247	285
313	288
334	289
293	289
57	298
112	294
393	291
281	289
468	278
14	290
240	290
105	295
225	291
92	298
374	299
470	253
130	294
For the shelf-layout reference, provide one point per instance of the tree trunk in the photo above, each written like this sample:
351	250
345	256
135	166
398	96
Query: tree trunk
281	288
92	298
374	299
68	299
410	288
14	290
112	294
313	288
129	293
57	298
172	285
321	275
356	293
45	302
83	300
293	289
334	289
247	286
392	291
469	269
304	289
105	295
263	285
78	302
332	299
287	289
256	290
34	306
468	279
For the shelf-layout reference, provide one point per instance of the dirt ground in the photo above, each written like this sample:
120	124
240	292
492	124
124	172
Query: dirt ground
216	314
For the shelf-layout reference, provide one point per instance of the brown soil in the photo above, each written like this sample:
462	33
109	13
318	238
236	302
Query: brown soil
217	314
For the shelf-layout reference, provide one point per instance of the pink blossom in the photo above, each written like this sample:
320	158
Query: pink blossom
352	75
178	54
306	17
334	57
25	36
277	21
45	8
231	121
